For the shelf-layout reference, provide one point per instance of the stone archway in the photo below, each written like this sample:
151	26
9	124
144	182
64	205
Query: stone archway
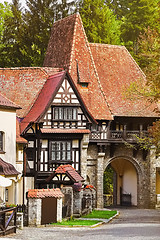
128	174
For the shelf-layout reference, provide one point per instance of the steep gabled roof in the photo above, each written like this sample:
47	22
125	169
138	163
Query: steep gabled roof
106	68
46	96
69	48
22	85
117	70
6	103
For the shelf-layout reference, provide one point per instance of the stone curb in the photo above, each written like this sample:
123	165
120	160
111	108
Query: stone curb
102	221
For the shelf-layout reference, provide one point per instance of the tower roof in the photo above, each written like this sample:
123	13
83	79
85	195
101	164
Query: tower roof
106	69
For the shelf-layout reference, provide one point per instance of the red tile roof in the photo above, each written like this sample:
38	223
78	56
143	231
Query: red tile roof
6	103
66	130
72	173
43	193
19	139
117	70
7	168
22	85
69	171
107	68
68	46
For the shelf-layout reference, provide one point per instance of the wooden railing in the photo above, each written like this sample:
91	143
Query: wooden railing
116	136
5	221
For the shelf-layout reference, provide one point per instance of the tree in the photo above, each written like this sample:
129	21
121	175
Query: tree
136	15
108	180
99	22
65	8
5	11
12	52
39	18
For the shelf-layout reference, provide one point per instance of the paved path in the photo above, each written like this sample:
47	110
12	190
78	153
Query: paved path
136	224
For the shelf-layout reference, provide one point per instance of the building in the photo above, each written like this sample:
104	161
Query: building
10	167
74	112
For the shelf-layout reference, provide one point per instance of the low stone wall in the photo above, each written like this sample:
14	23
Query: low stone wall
78	202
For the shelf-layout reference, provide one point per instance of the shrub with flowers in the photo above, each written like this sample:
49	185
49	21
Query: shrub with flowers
89	187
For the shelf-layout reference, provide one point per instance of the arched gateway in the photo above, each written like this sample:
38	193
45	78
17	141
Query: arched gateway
127	175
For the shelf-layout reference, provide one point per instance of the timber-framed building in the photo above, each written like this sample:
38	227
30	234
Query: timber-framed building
74	112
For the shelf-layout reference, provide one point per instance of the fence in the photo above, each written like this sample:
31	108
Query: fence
23	209
5	221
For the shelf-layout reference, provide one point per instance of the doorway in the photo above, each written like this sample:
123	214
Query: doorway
120	181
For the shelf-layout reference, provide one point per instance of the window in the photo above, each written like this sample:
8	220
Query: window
65	113
1	141
60	151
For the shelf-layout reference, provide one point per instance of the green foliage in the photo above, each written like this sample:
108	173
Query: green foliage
26	33
5	11
108	181
136	16
12	52
100	23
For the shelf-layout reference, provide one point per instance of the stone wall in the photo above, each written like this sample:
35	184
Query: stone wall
145	168
59	210
34	211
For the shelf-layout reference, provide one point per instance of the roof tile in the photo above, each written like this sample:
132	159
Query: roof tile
7	168
43	193
6	103
70	171
22	85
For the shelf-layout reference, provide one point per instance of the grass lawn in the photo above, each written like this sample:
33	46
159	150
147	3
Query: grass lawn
100	214
76	222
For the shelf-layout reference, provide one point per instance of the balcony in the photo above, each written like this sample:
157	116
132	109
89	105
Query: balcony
116	136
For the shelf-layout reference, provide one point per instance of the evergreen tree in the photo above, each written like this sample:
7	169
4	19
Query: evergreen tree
99	22
136	15
12	53
65	8
5	11
39	18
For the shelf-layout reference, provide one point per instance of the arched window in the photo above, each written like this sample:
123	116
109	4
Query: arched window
1	141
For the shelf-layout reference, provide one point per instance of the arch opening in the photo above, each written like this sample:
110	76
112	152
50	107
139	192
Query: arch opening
120	183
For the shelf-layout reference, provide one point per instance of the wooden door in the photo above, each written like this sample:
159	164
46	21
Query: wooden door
49	210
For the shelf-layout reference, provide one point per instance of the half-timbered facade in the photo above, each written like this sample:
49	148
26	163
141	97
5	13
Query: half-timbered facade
54	130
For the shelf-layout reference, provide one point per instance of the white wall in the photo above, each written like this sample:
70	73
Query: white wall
8	126
126	178
129	184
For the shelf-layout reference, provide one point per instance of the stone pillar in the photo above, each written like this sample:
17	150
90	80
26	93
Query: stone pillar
68	200
34	211
59	210
77	203
84	147
87	201
100	161
153	162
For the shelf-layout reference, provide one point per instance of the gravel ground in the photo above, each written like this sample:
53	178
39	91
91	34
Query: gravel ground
138	224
